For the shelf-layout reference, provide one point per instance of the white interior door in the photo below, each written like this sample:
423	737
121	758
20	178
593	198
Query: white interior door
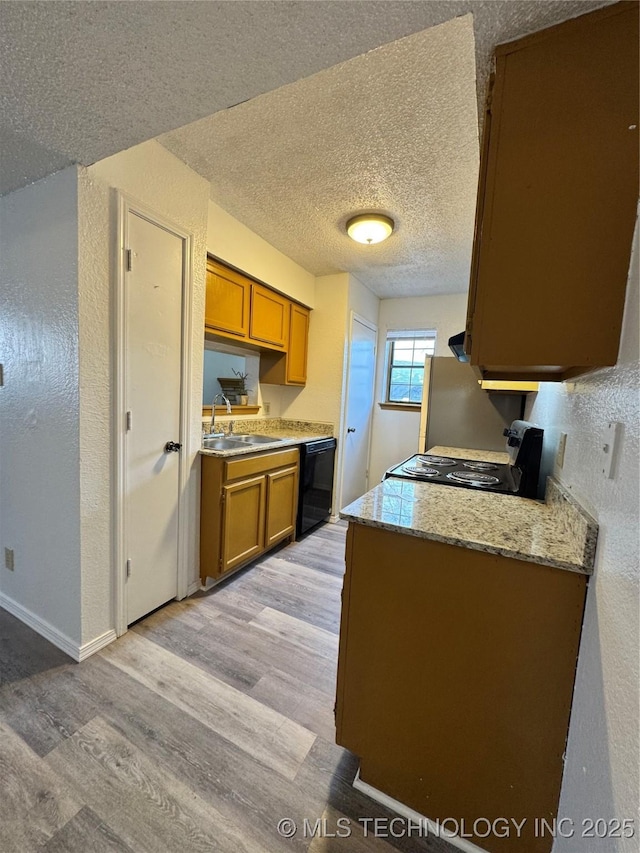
153	297
359	410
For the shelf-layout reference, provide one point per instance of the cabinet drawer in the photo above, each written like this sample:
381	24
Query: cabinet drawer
247	466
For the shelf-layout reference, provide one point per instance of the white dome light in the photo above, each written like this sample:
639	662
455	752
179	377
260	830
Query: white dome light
369	228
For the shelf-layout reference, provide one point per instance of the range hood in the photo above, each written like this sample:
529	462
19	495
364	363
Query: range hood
456	345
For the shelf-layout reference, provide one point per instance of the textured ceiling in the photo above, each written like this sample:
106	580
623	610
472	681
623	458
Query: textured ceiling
394	130
84	80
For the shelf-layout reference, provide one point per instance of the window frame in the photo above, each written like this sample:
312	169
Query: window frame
393	337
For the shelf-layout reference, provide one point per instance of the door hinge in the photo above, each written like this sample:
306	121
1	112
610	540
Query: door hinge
128	568
129	420
128	259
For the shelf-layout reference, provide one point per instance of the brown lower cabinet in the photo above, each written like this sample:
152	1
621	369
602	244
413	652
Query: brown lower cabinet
455	679
248	505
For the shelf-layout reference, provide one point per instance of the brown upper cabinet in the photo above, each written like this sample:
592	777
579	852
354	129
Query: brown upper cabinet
228	301
269	322
246	311
298	345
290	368
557	200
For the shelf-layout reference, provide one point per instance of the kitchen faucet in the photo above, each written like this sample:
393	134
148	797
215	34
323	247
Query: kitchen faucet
213	415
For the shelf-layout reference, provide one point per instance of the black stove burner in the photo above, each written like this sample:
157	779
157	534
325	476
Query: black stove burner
518	476
481	466
437	460
474	479
458	472
420	471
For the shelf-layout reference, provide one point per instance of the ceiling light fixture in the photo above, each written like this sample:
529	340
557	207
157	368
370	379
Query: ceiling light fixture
369	228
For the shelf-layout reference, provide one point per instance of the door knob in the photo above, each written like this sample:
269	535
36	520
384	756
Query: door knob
172	447
351	429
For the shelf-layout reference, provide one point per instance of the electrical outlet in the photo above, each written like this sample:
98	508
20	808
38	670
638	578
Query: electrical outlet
266	406
8	559
562	444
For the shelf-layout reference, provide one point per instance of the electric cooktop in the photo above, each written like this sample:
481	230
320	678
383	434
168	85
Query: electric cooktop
519	476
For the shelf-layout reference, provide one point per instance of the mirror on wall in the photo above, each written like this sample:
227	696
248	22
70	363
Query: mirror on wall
222	362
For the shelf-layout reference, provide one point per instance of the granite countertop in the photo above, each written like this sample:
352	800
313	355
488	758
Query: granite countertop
286	433
556	533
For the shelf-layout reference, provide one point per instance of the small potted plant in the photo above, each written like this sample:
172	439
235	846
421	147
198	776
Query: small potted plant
243	393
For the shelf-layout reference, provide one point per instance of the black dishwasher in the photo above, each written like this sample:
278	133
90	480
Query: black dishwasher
316	483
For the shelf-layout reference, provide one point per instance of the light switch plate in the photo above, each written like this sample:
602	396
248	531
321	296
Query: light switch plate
609	449
562	446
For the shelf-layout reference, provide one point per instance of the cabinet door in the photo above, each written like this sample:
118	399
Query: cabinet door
282	503
298	344
497	641
269	316
244	505
227	301
557	201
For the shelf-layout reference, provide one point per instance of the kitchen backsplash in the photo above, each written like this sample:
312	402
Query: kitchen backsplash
269	425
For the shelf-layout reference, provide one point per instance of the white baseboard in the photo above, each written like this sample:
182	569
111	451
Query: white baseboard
40	626
415	817
49	632
196	586
93	646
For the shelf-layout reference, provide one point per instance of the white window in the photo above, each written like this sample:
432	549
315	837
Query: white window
406	352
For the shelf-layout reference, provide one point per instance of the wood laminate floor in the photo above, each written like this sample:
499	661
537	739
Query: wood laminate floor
201	729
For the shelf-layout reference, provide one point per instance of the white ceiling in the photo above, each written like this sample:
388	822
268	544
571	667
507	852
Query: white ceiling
84	80
394	130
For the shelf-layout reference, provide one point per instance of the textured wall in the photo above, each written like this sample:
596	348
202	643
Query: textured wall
231	241
321	398
152	175
395	434
39	417
363	301
601	772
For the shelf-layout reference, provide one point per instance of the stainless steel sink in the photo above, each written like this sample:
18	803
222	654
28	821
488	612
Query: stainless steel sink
219	444
248	438
234	442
